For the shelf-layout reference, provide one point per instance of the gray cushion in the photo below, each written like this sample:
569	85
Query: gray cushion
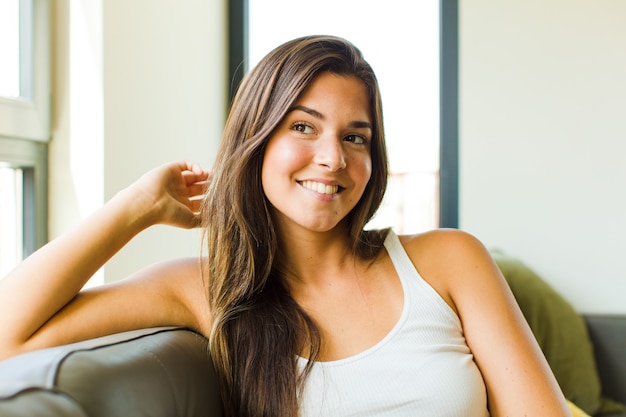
149	372
608	333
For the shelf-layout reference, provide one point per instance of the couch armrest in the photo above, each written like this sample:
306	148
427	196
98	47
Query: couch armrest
608	334
155	372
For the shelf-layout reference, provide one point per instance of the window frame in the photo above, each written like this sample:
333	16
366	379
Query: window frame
449	114
28	117
25	125
32	158
238	17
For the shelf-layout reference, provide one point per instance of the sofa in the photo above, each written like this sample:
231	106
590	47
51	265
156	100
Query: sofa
166	372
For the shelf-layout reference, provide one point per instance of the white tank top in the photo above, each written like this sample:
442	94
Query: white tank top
421	368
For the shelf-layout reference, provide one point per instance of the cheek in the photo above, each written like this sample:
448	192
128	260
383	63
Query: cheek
279	161
268	173
363	169
369	168
285	156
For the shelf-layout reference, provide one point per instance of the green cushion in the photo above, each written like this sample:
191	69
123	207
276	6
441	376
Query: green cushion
560	331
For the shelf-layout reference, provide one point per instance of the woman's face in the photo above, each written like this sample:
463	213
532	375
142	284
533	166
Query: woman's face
317	162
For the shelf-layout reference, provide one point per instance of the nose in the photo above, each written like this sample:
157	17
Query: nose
330	153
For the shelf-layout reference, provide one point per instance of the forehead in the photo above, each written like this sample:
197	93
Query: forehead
335	92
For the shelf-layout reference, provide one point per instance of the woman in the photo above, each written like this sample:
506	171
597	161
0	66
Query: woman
305	311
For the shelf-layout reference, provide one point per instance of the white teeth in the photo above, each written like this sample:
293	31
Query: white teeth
320	188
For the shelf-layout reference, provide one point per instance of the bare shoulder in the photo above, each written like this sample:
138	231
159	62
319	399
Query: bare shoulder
446	251
449	260
182	280
175	286
442	242
181	271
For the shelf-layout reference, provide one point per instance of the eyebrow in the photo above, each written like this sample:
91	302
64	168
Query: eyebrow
354	124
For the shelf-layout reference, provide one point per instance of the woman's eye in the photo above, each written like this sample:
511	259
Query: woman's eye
356	139
302	128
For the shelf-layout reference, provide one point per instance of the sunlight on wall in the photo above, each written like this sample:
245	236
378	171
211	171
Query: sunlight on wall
76	177
86	104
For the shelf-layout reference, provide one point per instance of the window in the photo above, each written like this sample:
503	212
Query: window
24	128
10	216
412	48
25	85
10	51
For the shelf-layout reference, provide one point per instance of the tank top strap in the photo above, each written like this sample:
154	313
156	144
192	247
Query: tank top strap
401	261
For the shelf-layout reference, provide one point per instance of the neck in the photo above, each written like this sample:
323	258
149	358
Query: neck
311	257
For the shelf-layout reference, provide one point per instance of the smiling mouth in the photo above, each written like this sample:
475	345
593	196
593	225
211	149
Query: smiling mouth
319	187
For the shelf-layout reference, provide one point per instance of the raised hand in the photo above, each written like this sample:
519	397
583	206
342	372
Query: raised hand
171	194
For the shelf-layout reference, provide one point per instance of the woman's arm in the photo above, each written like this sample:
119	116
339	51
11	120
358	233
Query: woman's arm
518	379
42	291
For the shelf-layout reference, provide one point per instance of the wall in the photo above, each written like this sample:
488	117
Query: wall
542	139
135	84
542	99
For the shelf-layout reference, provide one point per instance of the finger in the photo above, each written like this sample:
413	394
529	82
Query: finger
187	165
195	168
190	170
201	174
196	189
192	177
195	206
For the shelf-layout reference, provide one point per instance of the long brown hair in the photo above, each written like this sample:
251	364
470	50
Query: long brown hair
258	328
